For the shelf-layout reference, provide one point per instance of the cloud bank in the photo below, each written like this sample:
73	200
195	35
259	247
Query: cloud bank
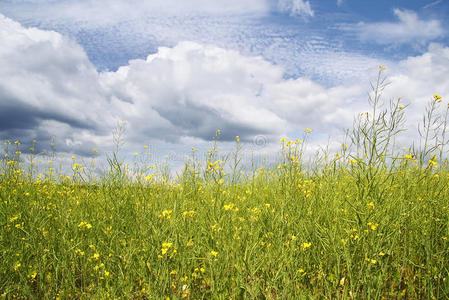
48	87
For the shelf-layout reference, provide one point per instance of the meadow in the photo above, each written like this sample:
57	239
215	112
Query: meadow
369	221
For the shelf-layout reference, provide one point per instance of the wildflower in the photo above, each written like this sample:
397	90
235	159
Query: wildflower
83	225
382	68
149	177
13	219
165	247
190	213
305	245
166	214
409	156
373	261
237	139
437	98
106	273
433	162
371	204
373	226
77	167
214	253
231	207
381	253
308	130
17	267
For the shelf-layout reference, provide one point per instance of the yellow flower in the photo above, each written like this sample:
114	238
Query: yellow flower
437	98
165	247
214	253
306	245
382	68
308	130
13	219
17	267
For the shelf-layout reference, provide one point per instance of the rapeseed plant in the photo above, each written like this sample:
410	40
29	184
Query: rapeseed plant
368	222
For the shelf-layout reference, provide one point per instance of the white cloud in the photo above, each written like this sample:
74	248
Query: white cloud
48	87
418	78
409	29
180	93
46	77
296	7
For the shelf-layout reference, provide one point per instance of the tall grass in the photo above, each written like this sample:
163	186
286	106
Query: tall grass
368	222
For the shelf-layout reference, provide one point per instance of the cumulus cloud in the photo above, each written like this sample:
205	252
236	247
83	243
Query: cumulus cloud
181	94
46	77
418	78
296	7
191	90
409	29
49	88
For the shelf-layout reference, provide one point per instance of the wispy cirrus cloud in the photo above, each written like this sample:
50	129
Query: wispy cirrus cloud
409	29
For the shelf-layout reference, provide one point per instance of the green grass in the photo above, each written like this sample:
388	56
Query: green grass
369	222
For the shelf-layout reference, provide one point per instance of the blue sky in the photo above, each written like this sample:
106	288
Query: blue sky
178	70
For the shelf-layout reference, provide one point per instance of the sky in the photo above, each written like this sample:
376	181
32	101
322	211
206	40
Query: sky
176	71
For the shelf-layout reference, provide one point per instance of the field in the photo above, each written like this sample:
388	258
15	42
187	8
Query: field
367	222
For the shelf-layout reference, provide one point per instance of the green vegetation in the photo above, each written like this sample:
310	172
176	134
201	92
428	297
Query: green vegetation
368	222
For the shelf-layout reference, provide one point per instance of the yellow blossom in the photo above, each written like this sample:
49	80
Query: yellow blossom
305	245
